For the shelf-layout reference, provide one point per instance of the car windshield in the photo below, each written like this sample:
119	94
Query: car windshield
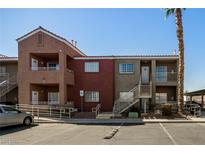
9	109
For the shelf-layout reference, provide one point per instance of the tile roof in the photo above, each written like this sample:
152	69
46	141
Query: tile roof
8	58
2	55
129	56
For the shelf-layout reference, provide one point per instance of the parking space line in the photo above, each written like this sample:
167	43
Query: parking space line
168	134
201	124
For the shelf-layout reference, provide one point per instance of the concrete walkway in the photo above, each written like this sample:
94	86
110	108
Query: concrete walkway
118	121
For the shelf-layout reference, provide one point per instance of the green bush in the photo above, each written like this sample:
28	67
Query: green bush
167	110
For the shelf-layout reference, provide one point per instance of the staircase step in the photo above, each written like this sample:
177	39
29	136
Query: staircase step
9	85
105	115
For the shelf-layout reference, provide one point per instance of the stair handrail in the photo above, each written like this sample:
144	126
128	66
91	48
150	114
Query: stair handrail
10	84
96	109
132	90
134	96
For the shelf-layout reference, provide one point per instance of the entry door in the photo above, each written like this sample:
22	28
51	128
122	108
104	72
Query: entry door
34	64
145	74
34	97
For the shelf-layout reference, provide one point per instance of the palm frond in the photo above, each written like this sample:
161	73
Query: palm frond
169	11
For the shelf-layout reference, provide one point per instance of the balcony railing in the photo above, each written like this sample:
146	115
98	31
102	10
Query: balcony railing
69	70
44	68
165	102
166	76
145	90
45	102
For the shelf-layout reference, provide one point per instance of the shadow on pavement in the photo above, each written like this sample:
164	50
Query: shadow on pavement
14	128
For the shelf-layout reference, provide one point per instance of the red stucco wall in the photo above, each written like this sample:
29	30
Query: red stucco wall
103	81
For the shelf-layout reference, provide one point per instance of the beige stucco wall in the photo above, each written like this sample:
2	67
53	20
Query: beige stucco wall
125	82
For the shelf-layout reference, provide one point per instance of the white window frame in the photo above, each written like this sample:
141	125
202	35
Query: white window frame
124	68
91	67
92	96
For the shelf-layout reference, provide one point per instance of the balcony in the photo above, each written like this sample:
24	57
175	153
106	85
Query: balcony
54	68
166	78
44	61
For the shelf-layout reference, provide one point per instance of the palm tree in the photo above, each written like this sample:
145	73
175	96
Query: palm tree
179	30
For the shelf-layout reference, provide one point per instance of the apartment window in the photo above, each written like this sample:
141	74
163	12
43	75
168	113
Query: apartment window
161	98
91	96
126	68
91	66
161	73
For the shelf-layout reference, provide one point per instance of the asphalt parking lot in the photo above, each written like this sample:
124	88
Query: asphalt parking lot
148	134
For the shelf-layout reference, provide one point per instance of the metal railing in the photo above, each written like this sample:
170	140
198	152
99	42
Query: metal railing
166	102
46	110
8	85
166	76
96	109
45	102
69	70
128	99
131	97
145	91
44	68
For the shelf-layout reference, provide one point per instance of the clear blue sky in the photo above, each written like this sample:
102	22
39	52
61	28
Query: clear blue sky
114	32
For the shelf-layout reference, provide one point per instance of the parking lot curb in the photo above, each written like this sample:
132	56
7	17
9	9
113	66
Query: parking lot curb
96	121
116	121
174	121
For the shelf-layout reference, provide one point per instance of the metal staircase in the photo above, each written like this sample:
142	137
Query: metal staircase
7	85
129	99
132	97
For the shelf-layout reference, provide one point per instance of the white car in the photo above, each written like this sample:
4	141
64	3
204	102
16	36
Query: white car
11	116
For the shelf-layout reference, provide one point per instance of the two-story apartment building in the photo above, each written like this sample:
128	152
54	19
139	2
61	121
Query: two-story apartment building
53	71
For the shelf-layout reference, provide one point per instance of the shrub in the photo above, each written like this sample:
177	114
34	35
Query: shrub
167	110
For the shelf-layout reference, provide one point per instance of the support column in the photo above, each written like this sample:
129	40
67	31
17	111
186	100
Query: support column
62	93
62	83
153	81
202	101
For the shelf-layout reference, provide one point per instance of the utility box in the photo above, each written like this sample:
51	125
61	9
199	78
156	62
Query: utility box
133	115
